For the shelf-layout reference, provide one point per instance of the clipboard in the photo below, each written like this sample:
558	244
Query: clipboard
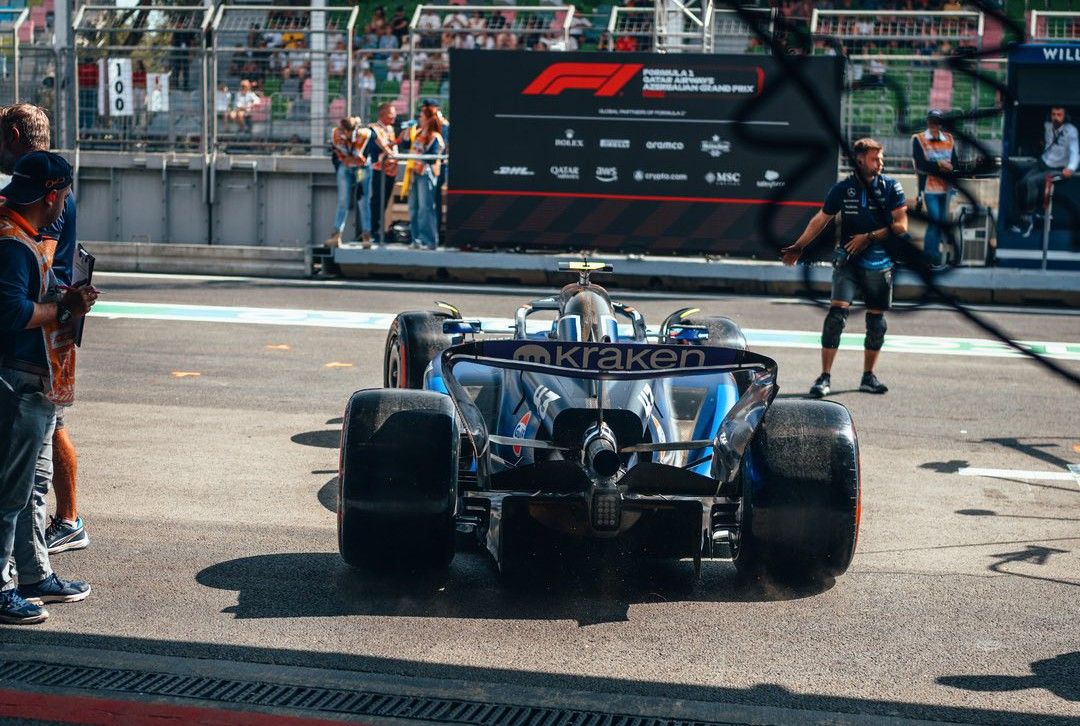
82	273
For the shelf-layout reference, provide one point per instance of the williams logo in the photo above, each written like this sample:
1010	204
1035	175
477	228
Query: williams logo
613	358
569	140
715	147
514	171
724	178
772	180
603	79
614	143
607	174
566	172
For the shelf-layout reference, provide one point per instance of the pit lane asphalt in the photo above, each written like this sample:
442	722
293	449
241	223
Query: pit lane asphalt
208	504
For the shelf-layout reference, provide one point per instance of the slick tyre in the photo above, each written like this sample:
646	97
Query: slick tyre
397	484
801	488
414	339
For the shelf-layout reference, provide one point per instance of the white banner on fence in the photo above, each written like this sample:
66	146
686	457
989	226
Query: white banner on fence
157	92
120	96
102	86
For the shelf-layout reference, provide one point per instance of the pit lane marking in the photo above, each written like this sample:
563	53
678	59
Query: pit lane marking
1018	474
767	338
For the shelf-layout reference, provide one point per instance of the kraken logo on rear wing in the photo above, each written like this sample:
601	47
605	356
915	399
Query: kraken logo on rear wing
621	362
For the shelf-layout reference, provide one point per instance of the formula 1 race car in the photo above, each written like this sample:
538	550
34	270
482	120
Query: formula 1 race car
583	433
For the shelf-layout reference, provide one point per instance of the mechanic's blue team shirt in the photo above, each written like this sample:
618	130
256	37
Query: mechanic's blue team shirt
19	285
862	211
63	231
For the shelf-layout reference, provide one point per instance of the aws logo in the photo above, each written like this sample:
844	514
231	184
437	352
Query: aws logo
605	79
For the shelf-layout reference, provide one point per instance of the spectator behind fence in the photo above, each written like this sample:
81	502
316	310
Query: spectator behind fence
339	60
933	151
399	25
244	101
423	223
37	372
395	68
1060	155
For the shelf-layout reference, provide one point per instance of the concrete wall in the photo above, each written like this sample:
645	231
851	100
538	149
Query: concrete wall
263	201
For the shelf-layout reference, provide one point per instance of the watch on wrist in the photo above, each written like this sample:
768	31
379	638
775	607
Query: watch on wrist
63	314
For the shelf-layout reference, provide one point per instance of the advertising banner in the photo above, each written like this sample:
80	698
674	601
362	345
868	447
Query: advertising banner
638	152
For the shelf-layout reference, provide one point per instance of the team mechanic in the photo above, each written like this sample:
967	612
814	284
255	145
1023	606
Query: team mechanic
866	202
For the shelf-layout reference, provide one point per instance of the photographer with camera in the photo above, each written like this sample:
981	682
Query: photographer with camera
870	207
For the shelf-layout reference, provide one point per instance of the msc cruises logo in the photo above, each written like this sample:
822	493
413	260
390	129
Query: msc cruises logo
604	79
613	358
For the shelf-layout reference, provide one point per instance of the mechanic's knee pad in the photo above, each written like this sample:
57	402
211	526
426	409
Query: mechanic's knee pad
875	331
834	326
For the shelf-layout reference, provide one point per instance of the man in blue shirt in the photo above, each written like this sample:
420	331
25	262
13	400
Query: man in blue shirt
870	208
25	128
37	369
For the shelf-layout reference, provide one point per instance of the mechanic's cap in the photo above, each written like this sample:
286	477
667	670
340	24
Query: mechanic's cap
37	174
935	113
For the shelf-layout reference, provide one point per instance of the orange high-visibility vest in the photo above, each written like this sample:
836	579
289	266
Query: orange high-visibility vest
940	149
59	342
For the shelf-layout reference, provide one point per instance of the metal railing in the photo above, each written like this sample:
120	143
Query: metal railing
1055	26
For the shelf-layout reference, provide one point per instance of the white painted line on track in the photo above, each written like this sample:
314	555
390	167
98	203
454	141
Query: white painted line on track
763	338
1018	474
525	291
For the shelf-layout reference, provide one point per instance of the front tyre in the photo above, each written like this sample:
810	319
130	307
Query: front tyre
801	492
413	341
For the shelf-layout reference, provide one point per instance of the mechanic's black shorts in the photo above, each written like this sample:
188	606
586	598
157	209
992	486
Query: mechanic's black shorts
873	286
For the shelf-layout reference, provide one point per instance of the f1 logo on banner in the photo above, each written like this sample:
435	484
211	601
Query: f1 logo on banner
606	79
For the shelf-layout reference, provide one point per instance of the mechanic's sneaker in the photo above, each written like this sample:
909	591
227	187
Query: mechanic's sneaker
53	589
871	384
1026	224
821	388
61	536
16	610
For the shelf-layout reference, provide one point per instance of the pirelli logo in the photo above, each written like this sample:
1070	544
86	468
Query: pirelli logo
604	79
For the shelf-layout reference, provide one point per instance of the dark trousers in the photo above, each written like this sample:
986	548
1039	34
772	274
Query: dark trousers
439	200
382	188
1029	189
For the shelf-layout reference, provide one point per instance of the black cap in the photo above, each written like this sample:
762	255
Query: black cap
36	174
936	114
430	102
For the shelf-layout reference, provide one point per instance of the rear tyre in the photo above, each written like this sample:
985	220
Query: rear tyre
413	341
799	518
397	491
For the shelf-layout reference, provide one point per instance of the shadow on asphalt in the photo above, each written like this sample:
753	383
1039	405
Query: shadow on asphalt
598	591
1060	675
1055	674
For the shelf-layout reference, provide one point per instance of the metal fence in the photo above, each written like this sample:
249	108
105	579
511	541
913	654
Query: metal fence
281	77
141	78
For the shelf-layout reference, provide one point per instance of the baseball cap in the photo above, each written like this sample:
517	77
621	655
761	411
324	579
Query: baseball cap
430	102
935	113
36	174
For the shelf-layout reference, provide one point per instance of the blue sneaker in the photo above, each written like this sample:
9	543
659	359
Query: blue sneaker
53	589
61	536
15	610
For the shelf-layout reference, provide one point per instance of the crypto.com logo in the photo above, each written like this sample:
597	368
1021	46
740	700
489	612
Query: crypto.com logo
606	79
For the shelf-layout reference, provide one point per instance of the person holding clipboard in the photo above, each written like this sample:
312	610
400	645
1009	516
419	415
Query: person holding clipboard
24	128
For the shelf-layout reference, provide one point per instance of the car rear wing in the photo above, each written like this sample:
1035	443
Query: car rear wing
624	361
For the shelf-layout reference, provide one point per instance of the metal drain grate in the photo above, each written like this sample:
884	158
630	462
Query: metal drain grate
311	698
